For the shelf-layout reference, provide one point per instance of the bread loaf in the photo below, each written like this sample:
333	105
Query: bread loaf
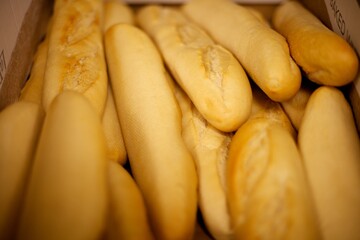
117	12
67	193
33	89
330	147
150	120
76	57
264	108
20	125
127	212
114	140
209	74
268	193
262	52
209	148
295	107
324	56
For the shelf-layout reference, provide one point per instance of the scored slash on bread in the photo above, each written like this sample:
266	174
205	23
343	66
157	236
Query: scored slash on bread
75	59
267	191
209	74
262	52
209	148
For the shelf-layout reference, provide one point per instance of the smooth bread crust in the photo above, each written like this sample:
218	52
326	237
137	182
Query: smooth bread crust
117	12
33	89
66	196
330	146
324	56
150	119
128	215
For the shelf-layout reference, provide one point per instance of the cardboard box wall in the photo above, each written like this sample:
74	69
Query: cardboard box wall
23	25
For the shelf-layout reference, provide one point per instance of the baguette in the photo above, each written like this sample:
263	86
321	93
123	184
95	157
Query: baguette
151	122
114	140
324	56
209	148
267	190
117	12
258	14
33	89
128	216
264	108
75	56
20	125
295	107
262	52
330	147
66	197
209	74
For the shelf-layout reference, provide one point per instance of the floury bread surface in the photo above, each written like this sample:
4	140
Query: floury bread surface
263	53
330	146
268	193
209	74
209	148
150	120
76	57
324	56
266	186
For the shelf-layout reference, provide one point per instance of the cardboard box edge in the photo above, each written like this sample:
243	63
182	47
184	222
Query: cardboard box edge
32	30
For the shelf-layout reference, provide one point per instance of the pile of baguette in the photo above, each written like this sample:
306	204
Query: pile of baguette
197	121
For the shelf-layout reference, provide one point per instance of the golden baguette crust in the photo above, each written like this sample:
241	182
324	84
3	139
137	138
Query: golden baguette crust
209	148
210	75
66	197
295	107
116	150
262	52
75	56
265	108
20	126
330	146
128	215
324	56
33	89
267	189
117	12
150	119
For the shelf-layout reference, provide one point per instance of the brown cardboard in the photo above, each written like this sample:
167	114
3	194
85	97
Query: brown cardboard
30	32
318	8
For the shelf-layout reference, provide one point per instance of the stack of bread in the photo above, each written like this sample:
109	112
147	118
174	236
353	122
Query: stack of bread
196	121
